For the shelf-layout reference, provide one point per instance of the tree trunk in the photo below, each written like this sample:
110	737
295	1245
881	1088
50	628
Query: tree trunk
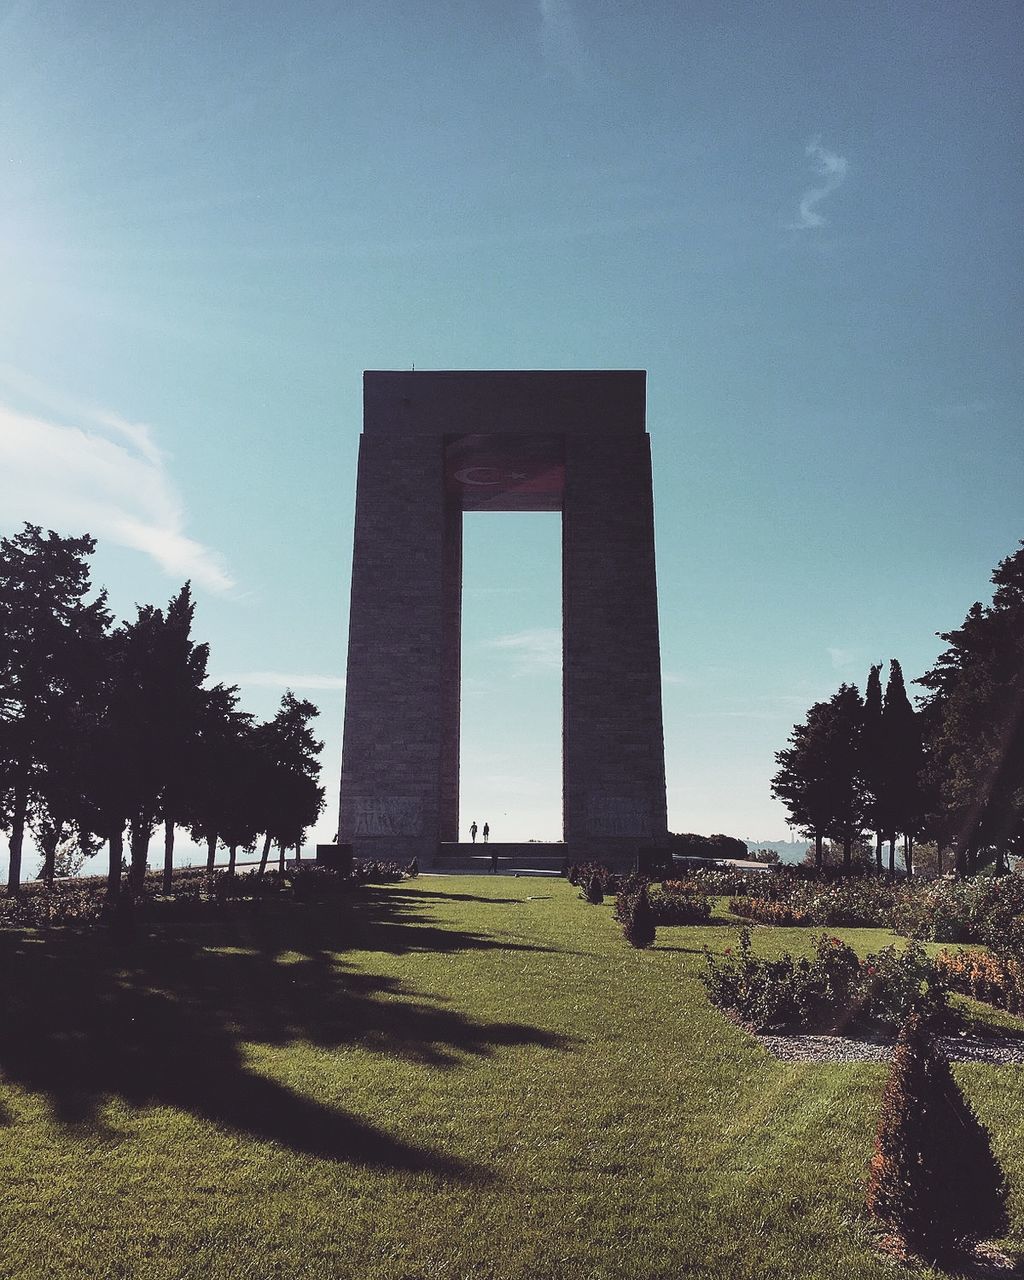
168	852
17	840
139	842
847	855
211	850
878	852
48	845
817	851
116	857
908	854
232	851
892	857
265	854
280	858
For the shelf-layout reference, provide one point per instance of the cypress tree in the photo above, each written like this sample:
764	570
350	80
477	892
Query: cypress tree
934	1180
640	928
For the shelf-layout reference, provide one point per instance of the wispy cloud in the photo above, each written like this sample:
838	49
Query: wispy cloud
832	169
285	680
560	41
539	649
840	658
963	408
106	477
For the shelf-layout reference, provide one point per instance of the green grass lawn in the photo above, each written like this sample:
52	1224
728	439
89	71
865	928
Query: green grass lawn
451	1077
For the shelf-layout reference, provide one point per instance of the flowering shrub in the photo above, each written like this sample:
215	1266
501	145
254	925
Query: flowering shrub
672	904
996	978
832	990
764	911
981	909
68	902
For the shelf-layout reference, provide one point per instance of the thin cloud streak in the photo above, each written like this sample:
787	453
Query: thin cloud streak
560	41
108	479
286	680
539	649
832	168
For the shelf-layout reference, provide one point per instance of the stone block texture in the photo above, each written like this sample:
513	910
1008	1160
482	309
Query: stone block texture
400	758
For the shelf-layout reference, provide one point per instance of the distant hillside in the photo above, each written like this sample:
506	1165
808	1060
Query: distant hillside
788	850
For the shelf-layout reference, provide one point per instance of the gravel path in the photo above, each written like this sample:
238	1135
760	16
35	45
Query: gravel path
965	1048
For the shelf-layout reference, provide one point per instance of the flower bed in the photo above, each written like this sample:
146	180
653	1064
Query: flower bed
833	990
996	978
982	909
764	911
674	903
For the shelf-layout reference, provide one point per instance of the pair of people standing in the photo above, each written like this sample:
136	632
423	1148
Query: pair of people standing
487	835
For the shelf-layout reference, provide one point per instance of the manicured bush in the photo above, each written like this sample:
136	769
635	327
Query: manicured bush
934	1180
640	929
594	893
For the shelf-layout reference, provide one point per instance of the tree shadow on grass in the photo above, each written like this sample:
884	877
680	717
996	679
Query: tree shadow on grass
163	1020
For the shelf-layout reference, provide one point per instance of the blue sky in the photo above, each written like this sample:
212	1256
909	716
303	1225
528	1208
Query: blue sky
801	219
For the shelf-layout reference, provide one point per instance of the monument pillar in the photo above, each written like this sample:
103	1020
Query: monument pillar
436	444
613	753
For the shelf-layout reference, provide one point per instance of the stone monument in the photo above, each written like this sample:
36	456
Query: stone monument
435	444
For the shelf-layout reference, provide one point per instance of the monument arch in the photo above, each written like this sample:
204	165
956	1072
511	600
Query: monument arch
436	444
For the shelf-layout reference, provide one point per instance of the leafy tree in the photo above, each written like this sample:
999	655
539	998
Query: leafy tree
46	631
161	678
178	710
241	782
974	720
819	779
291	800
221	730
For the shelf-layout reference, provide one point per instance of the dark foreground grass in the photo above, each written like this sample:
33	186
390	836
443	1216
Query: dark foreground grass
452	1077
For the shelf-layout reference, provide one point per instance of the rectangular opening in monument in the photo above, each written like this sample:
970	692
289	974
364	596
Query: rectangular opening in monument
511	719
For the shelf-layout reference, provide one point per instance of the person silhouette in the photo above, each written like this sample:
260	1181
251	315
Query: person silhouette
487	832
472	833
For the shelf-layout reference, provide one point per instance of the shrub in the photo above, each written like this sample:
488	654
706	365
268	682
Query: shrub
581	874
934	1180
981	909
315	882
764	911
594	893
830	991
69	902
640	929
996	978
897	984
671	905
